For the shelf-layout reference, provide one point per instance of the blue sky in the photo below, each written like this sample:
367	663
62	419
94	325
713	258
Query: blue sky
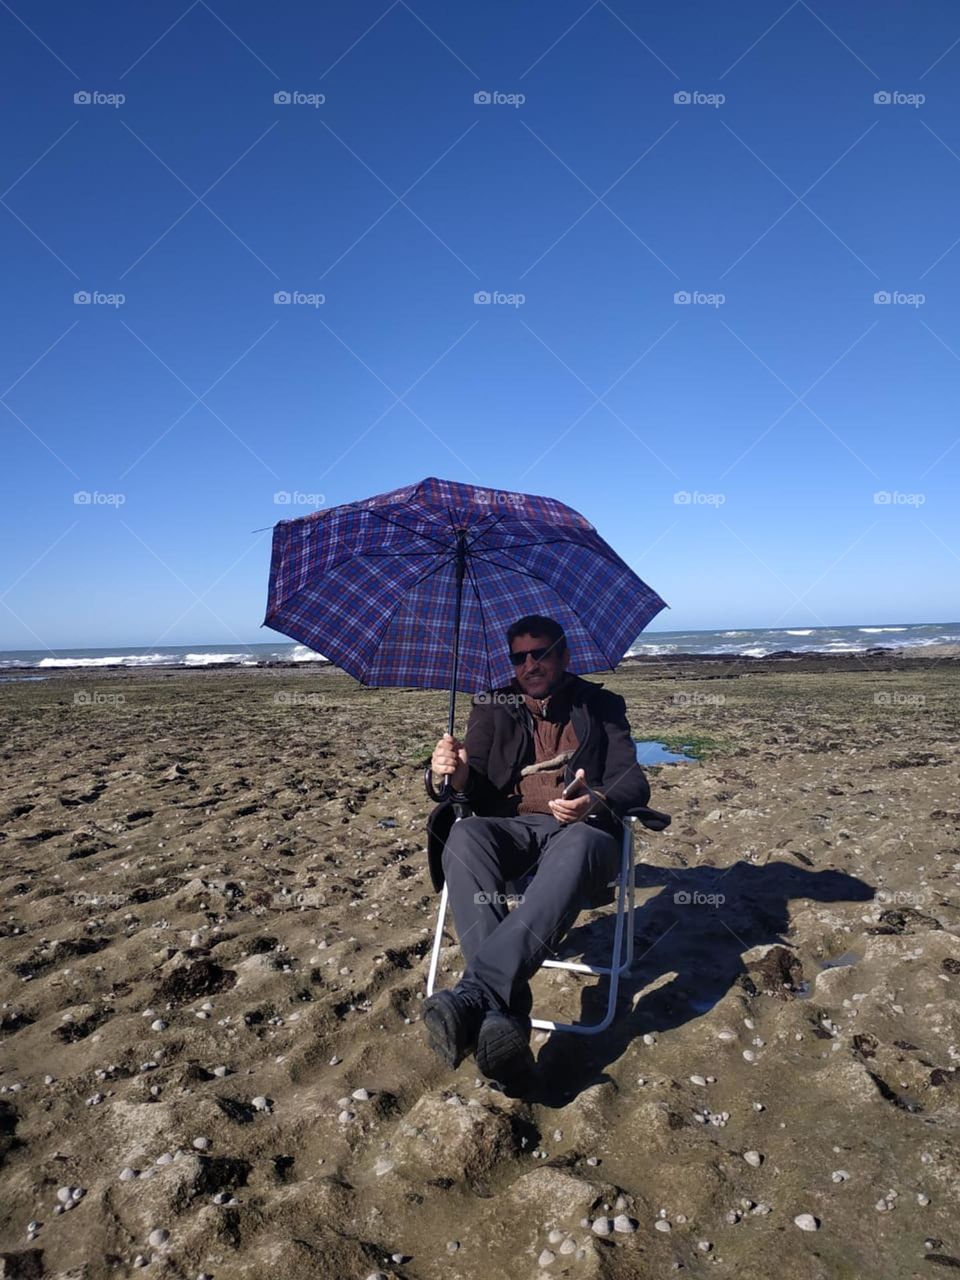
782	198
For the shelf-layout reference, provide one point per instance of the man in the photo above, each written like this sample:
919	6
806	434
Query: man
524	744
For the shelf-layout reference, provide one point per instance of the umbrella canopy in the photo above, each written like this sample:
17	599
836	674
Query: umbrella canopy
418	586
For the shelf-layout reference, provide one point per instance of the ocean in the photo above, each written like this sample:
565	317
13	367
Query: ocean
749	642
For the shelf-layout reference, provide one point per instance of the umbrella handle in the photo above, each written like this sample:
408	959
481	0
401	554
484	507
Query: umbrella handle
446	791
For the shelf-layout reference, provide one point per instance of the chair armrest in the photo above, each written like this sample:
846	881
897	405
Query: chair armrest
650	818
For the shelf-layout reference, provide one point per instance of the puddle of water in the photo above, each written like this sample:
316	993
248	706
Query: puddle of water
805	989
5	679
650	751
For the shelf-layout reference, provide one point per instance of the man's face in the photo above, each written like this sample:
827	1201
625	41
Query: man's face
542	667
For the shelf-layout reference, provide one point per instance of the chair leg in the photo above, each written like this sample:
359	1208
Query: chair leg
618	962
437	941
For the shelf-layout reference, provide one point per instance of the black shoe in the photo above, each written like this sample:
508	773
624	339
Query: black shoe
503	1052
453	1019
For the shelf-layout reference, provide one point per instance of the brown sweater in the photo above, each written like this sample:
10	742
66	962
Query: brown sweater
553	734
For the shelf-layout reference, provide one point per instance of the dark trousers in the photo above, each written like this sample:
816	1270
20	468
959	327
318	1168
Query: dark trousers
571	866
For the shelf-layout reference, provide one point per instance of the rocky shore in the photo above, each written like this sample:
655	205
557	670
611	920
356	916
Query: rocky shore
214	923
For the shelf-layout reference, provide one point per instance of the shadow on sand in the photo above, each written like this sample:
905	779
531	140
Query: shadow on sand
697	929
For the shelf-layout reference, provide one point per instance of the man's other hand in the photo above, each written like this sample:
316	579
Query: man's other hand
450	761
571	810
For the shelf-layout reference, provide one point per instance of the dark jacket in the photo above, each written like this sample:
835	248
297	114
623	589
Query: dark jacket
499	741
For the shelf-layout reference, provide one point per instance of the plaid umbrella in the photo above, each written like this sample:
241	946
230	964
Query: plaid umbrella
418	586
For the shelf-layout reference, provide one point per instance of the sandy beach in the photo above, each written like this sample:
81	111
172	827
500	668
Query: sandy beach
216	912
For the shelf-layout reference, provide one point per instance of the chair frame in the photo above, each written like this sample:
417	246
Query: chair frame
622	943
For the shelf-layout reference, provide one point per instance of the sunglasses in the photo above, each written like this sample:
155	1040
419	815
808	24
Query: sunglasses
519	657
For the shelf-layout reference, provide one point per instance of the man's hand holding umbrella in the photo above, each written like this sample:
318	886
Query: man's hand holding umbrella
450	761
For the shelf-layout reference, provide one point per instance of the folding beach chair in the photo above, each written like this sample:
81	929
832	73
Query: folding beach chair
622	952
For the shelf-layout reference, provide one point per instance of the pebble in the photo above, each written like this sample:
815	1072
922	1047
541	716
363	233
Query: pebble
839	1175
601	1226
49	1079
382	1166
592	1161
749	1055
140	1260
546	1257
753	1158
64	1195
165	1158
158	1024
555	1236
453	1246
701	1080
220	1071
127	1174
662	1224
624	1224
346	1116
704	1246
360	1095
201	1144
758	1106
649	1038
260	1103
335	1061
568	1246
922	1199
158	1236
806	1222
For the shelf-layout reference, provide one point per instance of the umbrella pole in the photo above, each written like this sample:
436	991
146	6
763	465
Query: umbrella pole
461	567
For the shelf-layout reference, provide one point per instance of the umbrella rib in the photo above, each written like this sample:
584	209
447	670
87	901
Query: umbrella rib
541	542
481	532
406	528
483	620
526	573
